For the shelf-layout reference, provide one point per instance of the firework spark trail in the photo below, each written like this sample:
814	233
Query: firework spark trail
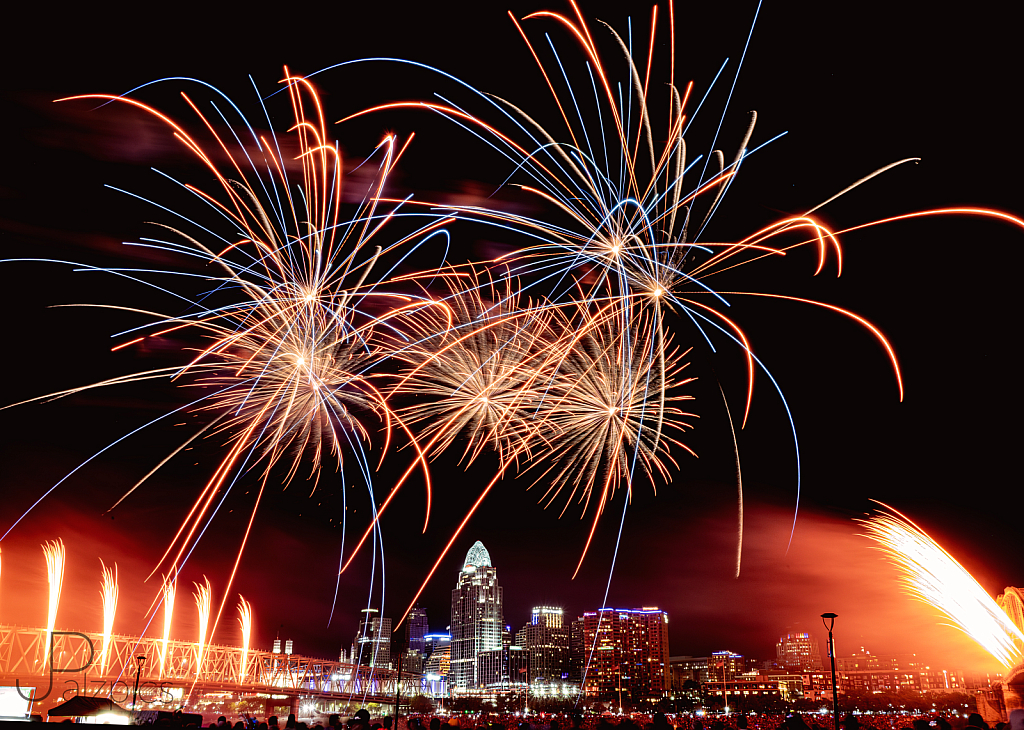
170	585
108	595
245	623
204	602
933	576
53	551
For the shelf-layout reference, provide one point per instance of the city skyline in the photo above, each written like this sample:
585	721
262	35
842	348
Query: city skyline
847	112
918	623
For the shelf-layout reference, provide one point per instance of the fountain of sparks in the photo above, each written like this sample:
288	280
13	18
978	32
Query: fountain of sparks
245	622
53	551
108	594
203	596
933	576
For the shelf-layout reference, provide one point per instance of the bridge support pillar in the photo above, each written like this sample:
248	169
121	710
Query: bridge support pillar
293	706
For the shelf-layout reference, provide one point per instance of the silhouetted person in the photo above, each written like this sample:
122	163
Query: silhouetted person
795	722
435	723
360	720
975	720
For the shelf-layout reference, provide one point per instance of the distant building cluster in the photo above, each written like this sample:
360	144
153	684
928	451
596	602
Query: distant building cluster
619	653
798	674
620	656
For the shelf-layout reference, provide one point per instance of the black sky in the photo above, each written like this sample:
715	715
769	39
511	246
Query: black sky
856	85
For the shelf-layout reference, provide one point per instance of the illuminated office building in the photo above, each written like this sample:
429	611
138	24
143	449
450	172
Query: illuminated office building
626	653
798	651
546	641
372	645
416	629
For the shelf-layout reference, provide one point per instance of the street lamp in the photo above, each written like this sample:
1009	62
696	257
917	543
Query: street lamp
140	661
831	619
398	689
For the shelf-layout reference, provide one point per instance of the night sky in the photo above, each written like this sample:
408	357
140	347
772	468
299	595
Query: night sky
856	87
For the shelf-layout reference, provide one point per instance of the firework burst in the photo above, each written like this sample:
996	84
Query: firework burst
475	368
606	411
282	340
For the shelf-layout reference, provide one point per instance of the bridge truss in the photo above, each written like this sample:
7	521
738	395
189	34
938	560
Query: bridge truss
181	665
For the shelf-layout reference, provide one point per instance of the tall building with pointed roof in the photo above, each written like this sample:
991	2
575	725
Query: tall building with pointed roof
477	618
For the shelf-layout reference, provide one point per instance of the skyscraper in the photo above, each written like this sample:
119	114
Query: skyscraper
477	620
626	649
416	629
372	645
577	655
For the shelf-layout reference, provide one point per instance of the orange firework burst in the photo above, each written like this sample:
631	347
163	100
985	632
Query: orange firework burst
475	367
291	322
606	410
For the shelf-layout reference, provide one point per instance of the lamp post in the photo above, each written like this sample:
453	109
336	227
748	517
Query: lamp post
725	691
831	620
620	687
398	688
140	661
